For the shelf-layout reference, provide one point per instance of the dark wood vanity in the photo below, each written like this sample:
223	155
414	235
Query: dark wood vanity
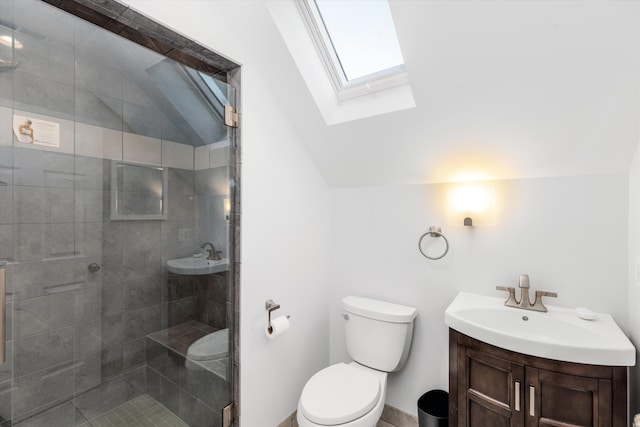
493	387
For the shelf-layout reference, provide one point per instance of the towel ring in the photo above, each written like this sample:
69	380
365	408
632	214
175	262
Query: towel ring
434	232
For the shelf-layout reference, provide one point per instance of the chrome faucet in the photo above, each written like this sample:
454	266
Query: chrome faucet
524	302
213	254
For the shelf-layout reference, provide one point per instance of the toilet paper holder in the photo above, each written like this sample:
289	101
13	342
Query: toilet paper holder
270	306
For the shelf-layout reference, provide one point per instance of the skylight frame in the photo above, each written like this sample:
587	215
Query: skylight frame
345	89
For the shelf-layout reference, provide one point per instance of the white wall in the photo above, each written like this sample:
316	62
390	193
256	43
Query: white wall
569	234
634	289
285	212
285	240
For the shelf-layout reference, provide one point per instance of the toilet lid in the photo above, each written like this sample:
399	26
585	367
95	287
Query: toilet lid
339	394
212	346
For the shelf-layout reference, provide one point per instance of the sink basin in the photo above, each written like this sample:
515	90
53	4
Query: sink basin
557	334
197	266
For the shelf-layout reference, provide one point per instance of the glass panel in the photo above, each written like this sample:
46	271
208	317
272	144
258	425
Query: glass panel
101	323
362	34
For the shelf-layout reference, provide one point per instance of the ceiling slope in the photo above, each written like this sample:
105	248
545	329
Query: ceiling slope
503	90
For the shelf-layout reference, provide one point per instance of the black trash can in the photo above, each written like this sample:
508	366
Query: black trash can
433	409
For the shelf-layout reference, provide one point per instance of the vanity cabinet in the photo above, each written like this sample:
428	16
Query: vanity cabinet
493	387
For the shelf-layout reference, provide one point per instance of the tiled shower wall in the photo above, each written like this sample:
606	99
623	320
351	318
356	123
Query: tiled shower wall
75	339
78	335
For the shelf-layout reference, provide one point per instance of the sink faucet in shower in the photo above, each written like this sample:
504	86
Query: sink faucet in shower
213	254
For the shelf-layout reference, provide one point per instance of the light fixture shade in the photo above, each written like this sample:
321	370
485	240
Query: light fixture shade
471	204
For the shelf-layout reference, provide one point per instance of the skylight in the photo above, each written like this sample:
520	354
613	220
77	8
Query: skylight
358	71
362	34
357	42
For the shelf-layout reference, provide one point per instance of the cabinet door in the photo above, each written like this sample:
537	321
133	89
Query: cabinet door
555	399
490	391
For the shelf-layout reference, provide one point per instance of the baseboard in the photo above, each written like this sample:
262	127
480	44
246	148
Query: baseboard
398	418
390	415
290	421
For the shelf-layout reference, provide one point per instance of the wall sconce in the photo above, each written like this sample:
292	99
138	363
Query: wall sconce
471	204
226	202
10	41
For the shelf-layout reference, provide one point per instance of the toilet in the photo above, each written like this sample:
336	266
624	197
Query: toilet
378	336
203	353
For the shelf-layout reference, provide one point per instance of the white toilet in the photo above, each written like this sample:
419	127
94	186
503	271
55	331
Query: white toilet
205	353
378	336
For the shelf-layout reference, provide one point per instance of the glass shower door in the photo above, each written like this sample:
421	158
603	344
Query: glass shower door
115	195
192	357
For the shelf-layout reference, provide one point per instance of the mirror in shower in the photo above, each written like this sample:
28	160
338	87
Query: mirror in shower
138	191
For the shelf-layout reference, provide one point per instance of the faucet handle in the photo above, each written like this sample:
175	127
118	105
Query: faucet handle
546	294
511	300
538	305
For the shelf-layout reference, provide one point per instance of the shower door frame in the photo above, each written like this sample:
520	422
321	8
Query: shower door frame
118	18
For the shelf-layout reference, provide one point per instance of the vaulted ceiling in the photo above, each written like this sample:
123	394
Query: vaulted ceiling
504	89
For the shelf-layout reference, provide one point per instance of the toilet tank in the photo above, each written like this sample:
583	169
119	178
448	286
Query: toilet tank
378	333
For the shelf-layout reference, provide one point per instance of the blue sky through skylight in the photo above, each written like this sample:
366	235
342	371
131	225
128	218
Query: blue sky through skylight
362	34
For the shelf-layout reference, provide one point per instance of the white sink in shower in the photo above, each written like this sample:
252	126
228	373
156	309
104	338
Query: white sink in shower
197	265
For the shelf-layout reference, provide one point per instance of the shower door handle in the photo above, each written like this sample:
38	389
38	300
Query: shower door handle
3	299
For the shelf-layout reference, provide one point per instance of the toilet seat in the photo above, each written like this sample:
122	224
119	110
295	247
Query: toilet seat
210	347
339	394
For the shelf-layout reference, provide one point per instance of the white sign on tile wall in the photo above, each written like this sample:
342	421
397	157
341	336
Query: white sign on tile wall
29	130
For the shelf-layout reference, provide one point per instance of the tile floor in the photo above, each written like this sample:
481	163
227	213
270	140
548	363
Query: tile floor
142	411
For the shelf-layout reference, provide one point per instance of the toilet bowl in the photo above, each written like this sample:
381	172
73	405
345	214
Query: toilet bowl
345	395
203	353
378	335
